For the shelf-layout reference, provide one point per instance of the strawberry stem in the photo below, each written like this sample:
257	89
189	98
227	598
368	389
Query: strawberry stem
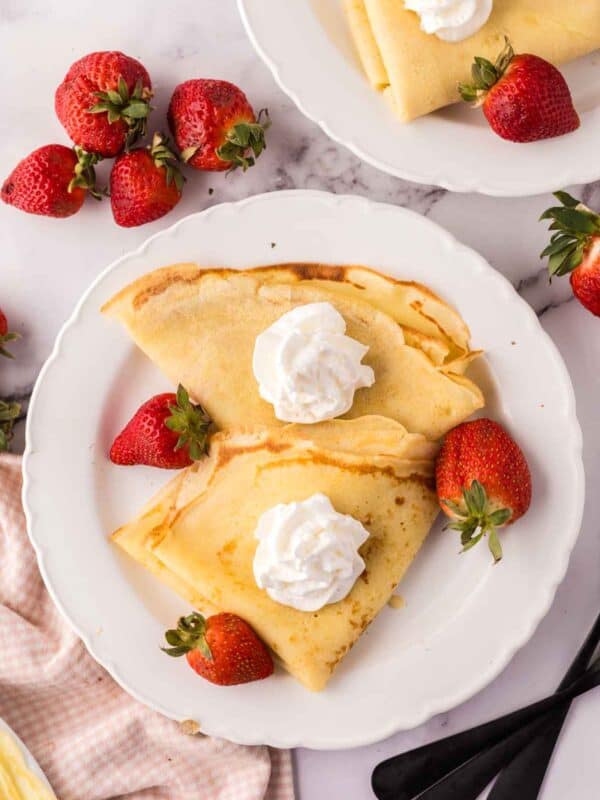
244	142
9	413
165	157
484	75
189	635
7	337
475	518
574	226
191	422
133	108
84	174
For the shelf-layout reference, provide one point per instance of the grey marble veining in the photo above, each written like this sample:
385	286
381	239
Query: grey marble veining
45	266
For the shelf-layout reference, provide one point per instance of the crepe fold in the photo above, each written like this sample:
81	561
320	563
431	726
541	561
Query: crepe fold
200	325
419	72
197	534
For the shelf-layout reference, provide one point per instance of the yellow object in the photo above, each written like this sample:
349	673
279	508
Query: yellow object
17	782
200	325
198	533
420	73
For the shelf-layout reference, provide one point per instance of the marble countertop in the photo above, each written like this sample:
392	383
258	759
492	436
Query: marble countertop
47	264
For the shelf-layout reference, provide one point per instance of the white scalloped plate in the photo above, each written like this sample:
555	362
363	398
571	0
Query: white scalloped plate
308	48
29	759
463	619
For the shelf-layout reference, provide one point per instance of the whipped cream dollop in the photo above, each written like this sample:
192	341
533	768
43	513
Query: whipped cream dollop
451	20
307	367
307	554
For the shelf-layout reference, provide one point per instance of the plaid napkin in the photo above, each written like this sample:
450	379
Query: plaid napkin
94	741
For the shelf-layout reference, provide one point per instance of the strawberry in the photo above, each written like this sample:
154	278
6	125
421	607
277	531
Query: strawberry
103	102
223	648
52	181
214	125
145	184
167	431
5	335
483	481
574	248
524	97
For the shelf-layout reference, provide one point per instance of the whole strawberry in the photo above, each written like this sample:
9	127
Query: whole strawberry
52	181
214	125
574	248
167	431
145	184
223	649
5	335
483	481
524	97
103	102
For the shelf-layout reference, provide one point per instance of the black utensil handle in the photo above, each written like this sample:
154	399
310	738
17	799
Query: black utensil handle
469	779
524	775
403	777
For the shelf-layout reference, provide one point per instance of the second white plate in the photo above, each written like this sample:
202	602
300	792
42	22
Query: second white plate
308	47
463	619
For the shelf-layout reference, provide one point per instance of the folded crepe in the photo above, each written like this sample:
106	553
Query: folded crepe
200	325
197	534
419	72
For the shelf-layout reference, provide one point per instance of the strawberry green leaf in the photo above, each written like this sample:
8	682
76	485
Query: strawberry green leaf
191	422
566	199
189	635
495	546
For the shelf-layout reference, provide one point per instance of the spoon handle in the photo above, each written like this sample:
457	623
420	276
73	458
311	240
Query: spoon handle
524	776
404	776
468	780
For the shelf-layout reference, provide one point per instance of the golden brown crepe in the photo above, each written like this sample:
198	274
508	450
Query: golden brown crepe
419	72
197	535
200	325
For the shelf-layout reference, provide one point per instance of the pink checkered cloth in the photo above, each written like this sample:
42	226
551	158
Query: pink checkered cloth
92	740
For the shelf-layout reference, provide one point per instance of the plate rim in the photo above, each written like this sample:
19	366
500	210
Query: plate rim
439	705
487	187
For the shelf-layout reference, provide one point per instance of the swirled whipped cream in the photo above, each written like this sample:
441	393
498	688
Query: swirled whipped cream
451	20
307	367
307	554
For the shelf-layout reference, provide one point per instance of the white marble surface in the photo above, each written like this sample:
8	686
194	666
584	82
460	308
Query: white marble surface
46	265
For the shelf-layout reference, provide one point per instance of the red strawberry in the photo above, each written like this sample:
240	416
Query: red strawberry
102	102
483	481
145	184
223	649
52	181
214	125
5	335
574	248
524	97
167	431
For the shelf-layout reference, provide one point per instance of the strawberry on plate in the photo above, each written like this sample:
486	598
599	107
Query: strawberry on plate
103	102
145	184
224	649
524	97
214	125
574	248
167	431
52	181
5	335
483	482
